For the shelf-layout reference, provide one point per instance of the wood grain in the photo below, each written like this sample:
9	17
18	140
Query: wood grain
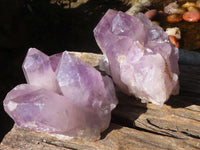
178	118
114	138
134	125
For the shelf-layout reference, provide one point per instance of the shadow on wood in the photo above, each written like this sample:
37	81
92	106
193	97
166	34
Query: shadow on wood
147	125
178	118
49	27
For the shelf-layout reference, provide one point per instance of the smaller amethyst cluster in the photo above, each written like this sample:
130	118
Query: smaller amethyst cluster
63	96
138	56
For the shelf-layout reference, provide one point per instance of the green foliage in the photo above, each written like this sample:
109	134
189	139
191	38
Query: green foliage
136	2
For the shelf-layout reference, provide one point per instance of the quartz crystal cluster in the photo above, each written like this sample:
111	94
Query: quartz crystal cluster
63	96
138	56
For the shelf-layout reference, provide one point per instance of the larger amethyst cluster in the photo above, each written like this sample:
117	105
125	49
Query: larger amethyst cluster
138	56
64	96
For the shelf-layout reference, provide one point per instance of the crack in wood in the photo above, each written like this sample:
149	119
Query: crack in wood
174	126
191	135
55	143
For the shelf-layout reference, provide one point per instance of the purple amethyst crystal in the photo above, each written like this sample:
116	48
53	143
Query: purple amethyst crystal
72	72
54	60
82	107
141	60
38	71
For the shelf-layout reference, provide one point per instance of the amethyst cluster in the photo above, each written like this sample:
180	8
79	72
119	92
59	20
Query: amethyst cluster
64	96
138	56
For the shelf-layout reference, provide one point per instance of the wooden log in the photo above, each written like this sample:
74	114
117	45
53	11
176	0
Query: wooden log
179	117
134	125
114	138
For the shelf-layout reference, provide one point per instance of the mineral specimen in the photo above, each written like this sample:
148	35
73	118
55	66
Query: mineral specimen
173	8
38	71
80	106
141	60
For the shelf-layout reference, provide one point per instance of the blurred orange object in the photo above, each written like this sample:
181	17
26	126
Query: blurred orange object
191	16
174	41
174	18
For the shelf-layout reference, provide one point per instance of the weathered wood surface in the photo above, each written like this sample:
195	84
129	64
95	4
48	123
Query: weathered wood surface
115	138
179	117
134	125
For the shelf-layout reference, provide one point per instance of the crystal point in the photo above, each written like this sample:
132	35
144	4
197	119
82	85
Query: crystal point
38	71
140	58
81	109
78	78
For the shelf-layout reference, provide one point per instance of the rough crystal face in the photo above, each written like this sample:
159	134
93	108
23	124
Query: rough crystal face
32	107
38	71
72	72
141	60
82	108
54	60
